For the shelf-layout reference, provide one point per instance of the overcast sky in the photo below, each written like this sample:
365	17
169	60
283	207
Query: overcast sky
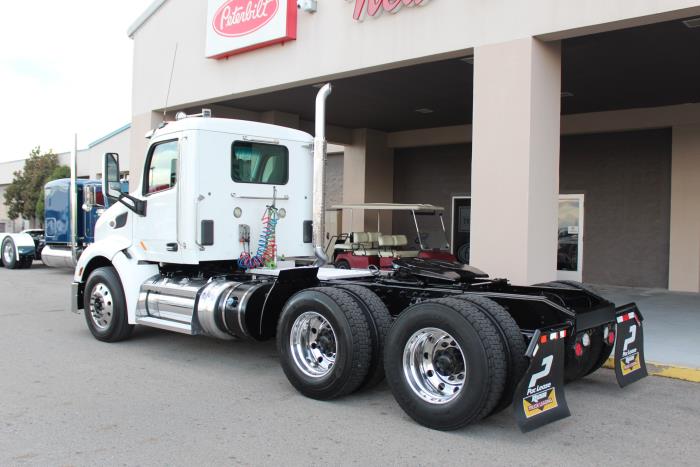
65	68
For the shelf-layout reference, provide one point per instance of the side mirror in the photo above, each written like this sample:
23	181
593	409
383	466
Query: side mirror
90	198
111	185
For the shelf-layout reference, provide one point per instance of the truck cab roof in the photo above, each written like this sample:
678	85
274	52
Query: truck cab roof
229	125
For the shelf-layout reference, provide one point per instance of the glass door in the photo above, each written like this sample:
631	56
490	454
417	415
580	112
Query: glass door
461	227
570	246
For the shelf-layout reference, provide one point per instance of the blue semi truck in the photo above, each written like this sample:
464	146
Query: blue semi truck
65	213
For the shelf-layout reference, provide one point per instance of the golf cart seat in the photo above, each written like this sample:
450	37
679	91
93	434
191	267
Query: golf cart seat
361	243
389	247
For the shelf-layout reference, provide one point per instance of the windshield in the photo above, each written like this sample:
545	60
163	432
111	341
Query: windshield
432	234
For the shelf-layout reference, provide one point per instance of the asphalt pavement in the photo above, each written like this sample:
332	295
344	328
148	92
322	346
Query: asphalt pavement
168	399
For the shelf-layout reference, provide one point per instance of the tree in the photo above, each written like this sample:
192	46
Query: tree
27	187
62	171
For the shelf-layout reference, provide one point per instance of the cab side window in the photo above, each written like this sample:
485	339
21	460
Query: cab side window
161	169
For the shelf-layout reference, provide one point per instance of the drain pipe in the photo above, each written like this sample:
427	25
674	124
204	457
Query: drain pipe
73	211
319	195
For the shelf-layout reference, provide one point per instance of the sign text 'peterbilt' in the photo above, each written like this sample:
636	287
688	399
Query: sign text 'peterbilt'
236	26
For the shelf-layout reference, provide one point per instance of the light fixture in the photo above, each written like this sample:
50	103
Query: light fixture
567	94
282	213
424	111
692	23
237	212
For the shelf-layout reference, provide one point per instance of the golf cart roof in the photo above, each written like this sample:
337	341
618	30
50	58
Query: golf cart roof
390	207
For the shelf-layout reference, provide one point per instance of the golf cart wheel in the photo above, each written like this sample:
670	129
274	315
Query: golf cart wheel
324	344
9	254
512	340
379	321
445	363
105	306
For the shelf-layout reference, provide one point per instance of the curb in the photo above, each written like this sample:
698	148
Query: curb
667	371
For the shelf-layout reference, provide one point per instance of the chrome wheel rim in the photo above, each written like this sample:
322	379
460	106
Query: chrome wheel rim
434	365
7	252
313	344
101	306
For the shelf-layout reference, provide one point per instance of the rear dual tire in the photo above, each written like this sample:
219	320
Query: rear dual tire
446	363
331	340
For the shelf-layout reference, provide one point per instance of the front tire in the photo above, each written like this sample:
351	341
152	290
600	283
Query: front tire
9	254
324	343
105	306
445	363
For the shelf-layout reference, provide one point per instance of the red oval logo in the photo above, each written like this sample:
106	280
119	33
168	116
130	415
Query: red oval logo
240	17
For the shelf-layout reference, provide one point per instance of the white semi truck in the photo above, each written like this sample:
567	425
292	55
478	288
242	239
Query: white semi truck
224	237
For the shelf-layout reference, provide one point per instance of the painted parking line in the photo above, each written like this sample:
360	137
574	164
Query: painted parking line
667	371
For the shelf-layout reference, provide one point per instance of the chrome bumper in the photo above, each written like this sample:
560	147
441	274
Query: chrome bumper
74	291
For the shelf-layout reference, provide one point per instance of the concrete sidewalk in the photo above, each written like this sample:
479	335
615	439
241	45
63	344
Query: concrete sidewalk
671	322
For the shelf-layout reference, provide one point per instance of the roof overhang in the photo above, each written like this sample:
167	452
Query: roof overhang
141	20
390	207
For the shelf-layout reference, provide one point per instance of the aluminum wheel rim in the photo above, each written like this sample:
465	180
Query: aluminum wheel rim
101	306
434	365
313	344
7	252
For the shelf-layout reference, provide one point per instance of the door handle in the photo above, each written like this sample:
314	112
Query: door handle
171	246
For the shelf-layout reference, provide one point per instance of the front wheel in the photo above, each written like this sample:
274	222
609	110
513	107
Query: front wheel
9	254
105	306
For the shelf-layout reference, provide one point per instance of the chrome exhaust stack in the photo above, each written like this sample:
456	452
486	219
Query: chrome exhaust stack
74	201
319	195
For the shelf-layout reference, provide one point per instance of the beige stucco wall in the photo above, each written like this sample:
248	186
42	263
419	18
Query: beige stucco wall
684	262
515	179
331	44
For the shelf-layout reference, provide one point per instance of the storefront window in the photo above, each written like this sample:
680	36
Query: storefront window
259	163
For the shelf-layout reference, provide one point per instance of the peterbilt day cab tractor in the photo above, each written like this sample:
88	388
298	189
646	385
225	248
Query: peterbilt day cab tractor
213	241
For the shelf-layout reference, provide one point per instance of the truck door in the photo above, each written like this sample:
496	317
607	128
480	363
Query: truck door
156	232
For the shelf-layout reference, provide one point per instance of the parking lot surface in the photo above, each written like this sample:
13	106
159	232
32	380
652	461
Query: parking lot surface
162	398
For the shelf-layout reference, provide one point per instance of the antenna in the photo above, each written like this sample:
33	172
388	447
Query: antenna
170	82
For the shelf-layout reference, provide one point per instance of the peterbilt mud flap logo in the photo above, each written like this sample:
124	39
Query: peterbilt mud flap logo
540	397
629	346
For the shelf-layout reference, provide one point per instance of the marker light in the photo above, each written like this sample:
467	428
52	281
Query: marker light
282	213
578	349
237	212
611	337
586	339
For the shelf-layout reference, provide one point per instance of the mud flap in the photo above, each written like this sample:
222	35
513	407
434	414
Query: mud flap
539	398
629	346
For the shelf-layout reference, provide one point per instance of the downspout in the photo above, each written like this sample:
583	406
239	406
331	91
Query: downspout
74	202
319	194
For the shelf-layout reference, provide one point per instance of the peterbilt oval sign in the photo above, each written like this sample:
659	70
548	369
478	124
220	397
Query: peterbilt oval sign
237	18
